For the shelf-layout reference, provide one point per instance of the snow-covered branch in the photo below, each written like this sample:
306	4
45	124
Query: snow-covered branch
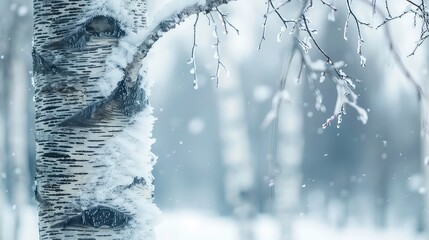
303	40
172	15
404	69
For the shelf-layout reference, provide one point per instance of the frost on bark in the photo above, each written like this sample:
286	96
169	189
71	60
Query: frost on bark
93	118
93	167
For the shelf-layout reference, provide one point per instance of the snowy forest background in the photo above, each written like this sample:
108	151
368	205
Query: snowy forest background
352	182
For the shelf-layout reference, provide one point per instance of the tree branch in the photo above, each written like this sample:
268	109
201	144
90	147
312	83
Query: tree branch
128	89
156	31
396	55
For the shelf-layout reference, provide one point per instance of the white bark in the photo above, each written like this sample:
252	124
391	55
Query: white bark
424	117
397	84
425	157
19	170
238	160
4	203
289	154
93	119
88	179
236	151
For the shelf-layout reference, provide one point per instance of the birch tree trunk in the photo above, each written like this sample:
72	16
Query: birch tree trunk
424	118
93	167
93	118
4	193
239	175
4	204
425	159
289	156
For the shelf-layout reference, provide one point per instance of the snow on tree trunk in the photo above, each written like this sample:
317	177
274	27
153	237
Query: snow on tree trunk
93	167
239	172
93	118
289	156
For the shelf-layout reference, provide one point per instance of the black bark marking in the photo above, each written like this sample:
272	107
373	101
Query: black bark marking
42	202
166	25
131	96
137	181
60	87
55	155
126	100
44	66
98	26
104	26
100	216
76	40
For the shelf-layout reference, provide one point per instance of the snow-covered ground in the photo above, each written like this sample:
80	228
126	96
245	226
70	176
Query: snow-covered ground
193	225
189	225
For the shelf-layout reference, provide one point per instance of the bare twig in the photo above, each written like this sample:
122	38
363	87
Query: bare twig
387	8
279	15
309	6
305	21
390	18
217	53
330	5
421	12
193	59
226	22
398	58
264	26
359	23
281	5
157	29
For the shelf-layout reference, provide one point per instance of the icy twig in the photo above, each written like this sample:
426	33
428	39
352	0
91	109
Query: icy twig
358	23
398	58
330	5
193	59
226	22
217	53
275	10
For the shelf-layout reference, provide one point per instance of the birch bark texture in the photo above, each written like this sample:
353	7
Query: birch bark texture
93	159
93	118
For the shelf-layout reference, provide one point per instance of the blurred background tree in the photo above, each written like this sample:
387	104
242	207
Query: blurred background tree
16	114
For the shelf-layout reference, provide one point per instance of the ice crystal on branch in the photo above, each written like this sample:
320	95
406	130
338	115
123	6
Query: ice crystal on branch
304	38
